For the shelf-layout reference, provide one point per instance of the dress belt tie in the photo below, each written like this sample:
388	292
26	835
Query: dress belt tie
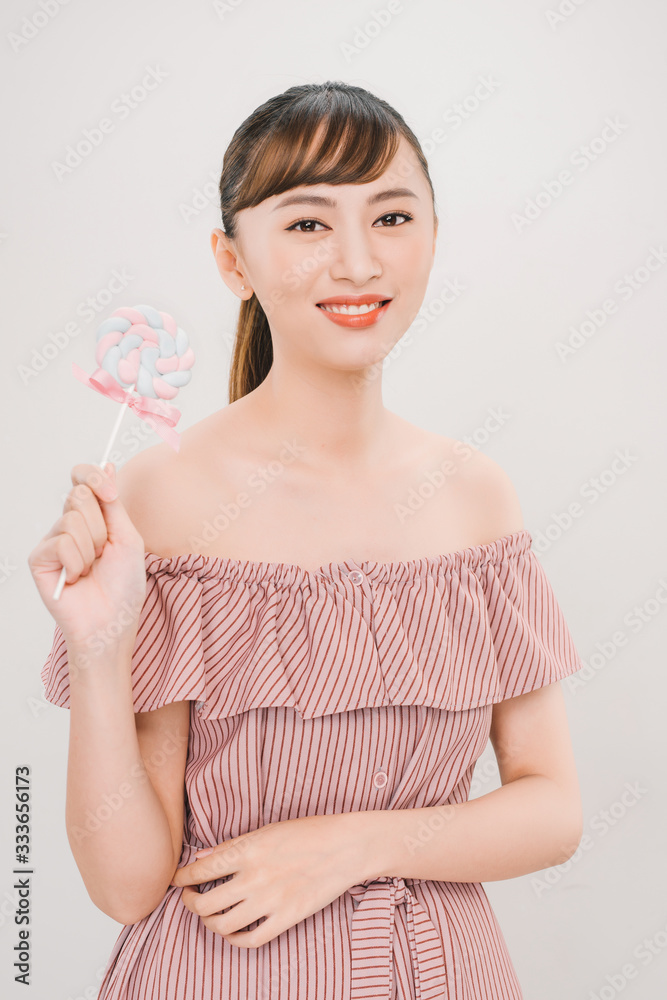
372	938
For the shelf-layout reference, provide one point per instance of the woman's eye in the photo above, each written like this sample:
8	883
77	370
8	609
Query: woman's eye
314	222
304	222
393	215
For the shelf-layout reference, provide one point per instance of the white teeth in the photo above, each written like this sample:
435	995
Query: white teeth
352	310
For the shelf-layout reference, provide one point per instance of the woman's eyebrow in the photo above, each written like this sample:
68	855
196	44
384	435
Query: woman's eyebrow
318	199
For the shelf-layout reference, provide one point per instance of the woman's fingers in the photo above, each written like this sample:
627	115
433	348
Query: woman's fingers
74	544
94	533
82	529
67	553
82	499
98	481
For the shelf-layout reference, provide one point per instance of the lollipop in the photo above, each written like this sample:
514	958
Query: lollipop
142	349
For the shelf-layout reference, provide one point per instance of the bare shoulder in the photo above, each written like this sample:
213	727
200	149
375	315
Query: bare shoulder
148	491
160	488
482	500
485	489
136	486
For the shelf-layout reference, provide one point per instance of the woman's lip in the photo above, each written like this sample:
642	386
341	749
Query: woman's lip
354	300
356	319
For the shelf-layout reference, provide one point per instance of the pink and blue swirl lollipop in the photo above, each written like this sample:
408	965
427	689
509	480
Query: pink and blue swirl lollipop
140	350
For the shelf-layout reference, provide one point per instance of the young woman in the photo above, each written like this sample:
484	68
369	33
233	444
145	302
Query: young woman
289	642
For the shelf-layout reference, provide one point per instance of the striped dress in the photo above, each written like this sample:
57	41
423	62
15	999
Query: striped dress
354	687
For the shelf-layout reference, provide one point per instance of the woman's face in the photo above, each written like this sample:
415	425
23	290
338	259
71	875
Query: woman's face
296	250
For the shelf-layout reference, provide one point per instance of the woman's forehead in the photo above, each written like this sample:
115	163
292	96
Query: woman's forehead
390	184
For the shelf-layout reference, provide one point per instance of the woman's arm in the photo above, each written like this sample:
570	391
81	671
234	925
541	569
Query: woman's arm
126	770
532	822
125	780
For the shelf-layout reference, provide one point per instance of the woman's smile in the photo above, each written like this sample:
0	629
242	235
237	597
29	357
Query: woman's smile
354	311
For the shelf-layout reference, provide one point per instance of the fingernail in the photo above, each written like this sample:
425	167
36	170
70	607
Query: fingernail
204	851
109	492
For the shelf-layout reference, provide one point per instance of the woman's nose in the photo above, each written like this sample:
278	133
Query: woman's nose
355	258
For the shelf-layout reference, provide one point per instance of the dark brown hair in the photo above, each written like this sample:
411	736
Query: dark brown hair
274	150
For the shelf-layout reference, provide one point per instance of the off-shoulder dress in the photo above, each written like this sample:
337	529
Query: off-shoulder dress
354	687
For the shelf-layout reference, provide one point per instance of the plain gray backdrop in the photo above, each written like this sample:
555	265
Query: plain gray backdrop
544	127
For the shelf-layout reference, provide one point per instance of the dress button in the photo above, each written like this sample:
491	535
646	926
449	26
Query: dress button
380	779
356	576
200	705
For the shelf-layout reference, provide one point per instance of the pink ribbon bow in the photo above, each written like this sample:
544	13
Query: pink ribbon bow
160	415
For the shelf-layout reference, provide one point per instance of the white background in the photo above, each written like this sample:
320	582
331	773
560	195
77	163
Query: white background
144	203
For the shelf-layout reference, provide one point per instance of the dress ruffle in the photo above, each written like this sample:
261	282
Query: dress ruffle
454	632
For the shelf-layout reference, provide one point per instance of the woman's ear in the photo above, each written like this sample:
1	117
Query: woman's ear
226	259
220	242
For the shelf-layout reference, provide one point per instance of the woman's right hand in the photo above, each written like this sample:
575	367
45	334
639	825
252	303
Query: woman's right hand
103	554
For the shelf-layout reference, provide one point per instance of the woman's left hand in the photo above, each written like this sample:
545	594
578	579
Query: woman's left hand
283	871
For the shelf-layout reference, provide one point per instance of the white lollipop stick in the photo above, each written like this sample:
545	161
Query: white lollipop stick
63	573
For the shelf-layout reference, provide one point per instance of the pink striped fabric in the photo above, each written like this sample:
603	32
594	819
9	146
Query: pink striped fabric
355	687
